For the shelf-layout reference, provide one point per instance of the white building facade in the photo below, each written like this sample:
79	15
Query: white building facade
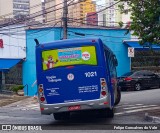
12	54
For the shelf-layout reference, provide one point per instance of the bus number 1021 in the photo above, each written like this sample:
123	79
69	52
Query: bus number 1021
90	74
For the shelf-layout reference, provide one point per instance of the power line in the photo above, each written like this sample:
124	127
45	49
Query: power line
100	10
48	31
39	14
71	4
16	32
37	5
34	38
28	18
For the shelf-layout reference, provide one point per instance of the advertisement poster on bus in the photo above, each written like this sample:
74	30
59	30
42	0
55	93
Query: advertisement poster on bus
69	56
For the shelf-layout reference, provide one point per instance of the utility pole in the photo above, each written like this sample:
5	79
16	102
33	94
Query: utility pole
64	19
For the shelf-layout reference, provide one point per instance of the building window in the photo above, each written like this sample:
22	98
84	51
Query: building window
21	1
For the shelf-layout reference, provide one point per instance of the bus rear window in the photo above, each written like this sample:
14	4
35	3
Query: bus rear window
85	55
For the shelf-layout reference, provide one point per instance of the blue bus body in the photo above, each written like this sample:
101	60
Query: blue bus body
74	75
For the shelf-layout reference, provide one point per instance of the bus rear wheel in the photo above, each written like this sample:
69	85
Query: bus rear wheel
118	96
61	116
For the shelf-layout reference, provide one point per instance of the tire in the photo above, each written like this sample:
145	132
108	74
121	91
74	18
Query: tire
61	116
137	86
118	96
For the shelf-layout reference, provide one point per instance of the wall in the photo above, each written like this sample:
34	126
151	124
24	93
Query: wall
29	69
6	7
14	42
111	37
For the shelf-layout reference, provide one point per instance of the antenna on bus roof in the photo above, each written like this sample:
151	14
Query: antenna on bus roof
37	42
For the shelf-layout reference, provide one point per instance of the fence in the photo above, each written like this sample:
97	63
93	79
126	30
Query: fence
146	60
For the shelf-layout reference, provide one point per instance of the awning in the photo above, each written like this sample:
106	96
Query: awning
137	46
6	64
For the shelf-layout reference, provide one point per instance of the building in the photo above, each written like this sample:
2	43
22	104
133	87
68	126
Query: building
36	10
15	8
108	36
77	11
92	18
54	12
74	14
87	6
112	16
19	9
100	5
12	54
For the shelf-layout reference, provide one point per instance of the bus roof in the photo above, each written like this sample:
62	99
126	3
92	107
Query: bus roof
70	42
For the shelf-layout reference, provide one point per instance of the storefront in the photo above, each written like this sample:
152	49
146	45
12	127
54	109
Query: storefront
10	73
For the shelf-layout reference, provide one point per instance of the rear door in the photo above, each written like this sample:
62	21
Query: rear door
154	80
71	75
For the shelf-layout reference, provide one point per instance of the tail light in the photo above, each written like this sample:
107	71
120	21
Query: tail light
128	79
42	99
103	93
103	87
41	92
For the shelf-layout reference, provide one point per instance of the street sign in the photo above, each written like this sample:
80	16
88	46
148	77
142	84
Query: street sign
130	52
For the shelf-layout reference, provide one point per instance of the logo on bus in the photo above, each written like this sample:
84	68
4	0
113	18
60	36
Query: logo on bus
70	76
85	55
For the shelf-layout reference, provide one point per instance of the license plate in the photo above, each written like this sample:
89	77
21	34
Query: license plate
76	107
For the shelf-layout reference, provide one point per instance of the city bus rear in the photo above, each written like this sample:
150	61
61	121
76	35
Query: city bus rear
72	77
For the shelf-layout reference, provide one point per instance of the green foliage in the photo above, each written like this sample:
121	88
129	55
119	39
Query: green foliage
145	17
17	87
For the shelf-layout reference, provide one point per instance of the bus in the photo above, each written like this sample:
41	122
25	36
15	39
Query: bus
76	75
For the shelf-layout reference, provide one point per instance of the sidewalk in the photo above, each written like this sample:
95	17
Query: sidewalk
153	116
6	99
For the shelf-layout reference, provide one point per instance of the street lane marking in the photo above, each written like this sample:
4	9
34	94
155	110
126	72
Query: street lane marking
28	106
140	107
128	105
136	110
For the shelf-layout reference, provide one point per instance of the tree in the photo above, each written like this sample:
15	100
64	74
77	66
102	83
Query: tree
145	19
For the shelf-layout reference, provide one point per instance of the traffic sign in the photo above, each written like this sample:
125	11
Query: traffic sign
130	52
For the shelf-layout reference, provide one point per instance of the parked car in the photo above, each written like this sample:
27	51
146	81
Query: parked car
139	80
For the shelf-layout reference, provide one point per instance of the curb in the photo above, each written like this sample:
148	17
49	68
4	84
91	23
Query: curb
153	119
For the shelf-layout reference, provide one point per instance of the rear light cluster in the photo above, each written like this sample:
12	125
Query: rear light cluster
103	87
128	79
41	93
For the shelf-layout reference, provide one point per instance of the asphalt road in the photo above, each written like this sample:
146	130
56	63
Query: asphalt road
131	110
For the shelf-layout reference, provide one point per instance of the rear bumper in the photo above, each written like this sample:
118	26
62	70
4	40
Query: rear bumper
126	86
48	109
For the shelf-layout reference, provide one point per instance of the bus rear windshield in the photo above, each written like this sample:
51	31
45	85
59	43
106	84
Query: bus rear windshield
85	55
